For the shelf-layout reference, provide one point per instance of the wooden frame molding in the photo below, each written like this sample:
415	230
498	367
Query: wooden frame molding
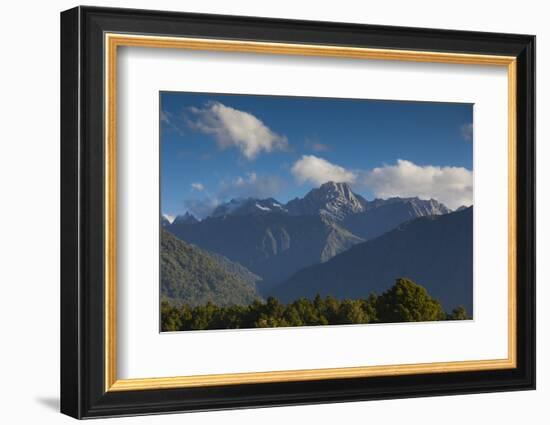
114	40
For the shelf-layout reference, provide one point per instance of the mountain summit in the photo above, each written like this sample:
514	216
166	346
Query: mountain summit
185	219
332	200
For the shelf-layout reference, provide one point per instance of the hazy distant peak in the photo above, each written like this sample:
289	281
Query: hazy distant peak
186	218
248	206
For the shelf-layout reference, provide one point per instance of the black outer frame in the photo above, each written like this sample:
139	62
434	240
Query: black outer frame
82	219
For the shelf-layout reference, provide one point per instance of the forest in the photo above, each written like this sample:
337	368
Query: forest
405	301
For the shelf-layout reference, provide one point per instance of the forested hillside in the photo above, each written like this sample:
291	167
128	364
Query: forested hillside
192	276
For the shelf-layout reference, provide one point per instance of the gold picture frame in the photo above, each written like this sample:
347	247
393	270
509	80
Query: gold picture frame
114	41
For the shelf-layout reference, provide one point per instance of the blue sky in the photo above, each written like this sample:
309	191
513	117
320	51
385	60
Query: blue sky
216	147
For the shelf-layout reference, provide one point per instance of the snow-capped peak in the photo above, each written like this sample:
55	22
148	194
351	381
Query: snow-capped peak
168	218
334	200
248	206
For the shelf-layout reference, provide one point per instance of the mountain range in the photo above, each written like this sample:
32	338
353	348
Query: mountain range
382	215
249	206
273	246
434	251
279	242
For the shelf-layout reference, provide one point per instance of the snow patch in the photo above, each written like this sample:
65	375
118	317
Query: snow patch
262	208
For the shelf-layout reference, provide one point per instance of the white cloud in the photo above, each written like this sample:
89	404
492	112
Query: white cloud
316	146
320	147
467	131
201	208
199	187
311	168
171	122
449	185
234	128
251	185
165	116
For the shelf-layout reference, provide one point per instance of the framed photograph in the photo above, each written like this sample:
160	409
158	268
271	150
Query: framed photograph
261	212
